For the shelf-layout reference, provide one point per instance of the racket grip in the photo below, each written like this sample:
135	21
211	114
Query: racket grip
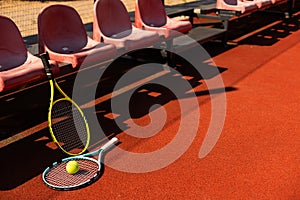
45	59
110	143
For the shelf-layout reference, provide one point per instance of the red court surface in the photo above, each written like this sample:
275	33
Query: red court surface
256	157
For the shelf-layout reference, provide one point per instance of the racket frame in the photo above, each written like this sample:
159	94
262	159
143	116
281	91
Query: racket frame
85	156
53	84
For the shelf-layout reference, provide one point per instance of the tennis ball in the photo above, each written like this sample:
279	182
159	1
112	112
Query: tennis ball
72	167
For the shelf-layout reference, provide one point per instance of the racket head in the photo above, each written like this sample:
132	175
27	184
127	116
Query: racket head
67	123
68	126
57	177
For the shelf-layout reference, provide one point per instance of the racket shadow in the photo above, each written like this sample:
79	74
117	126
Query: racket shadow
26	159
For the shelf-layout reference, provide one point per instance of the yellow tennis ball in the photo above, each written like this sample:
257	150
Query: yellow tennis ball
72	167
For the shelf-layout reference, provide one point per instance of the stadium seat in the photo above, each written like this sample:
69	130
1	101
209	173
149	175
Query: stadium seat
112	25
151	15
18	67
238	5
62	34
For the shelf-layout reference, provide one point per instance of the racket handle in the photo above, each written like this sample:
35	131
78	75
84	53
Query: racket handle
110	143
45	59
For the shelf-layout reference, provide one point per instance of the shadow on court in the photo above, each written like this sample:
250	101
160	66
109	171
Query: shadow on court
26	113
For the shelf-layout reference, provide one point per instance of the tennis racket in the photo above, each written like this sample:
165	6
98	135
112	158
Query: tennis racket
67	123
57	177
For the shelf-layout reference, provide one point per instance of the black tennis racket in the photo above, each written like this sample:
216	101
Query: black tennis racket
57	177
67	123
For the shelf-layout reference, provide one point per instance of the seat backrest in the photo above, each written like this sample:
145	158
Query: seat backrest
61	29
231	2
13	51
112	17
152	12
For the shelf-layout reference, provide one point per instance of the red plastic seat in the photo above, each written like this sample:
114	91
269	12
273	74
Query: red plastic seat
63	35
18	66
112	25
151	15
239	6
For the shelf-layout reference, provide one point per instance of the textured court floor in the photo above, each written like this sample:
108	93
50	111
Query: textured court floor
255	157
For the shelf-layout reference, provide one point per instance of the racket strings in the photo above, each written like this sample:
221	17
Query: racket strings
58	177
69	126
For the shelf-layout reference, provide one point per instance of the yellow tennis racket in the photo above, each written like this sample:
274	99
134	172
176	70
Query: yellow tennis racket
67	124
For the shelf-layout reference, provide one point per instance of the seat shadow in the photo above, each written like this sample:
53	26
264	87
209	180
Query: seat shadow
25	159
24	115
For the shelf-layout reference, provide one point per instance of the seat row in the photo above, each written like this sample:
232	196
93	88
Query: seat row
247	6
62	34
